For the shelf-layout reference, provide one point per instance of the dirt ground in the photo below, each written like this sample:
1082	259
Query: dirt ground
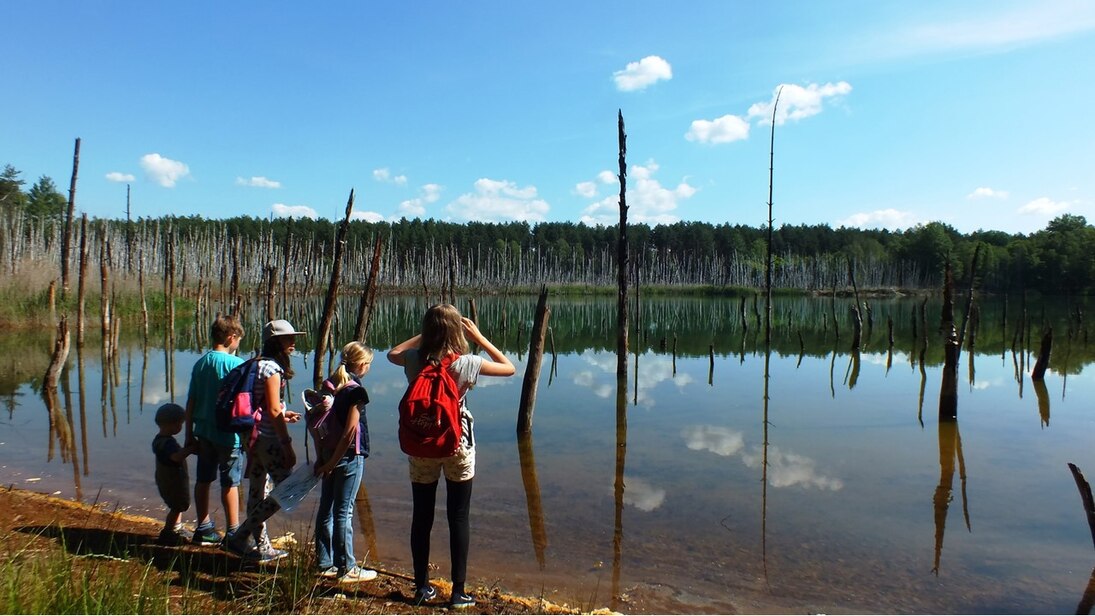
207	580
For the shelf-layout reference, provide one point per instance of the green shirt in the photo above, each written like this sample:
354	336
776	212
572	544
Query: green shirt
205	382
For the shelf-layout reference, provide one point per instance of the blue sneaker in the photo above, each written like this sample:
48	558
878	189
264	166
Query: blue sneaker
205	536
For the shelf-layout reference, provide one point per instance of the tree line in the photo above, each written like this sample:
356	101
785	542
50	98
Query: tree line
431	254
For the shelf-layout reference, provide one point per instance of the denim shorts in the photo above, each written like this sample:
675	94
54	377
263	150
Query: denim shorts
214	460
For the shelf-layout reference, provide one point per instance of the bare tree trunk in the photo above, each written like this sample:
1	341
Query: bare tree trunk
857	317
948	389
535	360
81	285
104	280
622	259
1040	366
66	239
768	261
1085	495
332	295
60	354
368	296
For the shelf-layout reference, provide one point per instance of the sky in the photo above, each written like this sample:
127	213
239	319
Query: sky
977	114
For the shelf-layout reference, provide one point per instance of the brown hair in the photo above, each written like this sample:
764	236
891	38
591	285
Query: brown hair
225	325
272	349
442	334
352	354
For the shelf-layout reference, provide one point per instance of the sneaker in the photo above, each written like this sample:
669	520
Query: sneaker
170	537
461	600
268	555
205	536
330	572
425	594
238	545
358	574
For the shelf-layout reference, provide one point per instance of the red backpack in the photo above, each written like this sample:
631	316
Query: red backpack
429	413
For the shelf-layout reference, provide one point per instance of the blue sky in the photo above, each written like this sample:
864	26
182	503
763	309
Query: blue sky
975	113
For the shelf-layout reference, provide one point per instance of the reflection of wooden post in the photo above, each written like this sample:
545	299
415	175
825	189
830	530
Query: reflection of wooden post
364	513
948	439
1039	371
1042	394
532	497
1087	601
535	359
1085	495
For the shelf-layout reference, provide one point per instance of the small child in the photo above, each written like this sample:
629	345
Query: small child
172	477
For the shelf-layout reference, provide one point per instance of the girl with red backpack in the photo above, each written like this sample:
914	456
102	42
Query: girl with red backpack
443	344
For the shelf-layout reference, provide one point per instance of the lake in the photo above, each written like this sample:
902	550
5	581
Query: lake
686	492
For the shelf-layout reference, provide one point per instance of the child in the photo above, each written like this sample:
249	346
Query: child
342	467
443	334
219	453
172	477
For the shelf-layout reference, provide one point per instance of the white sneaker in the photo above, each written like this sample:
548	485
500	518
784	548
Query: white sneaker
357	574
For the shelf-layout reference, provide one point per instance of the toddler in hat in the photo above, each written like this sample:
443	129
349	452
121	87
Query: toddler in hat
172	478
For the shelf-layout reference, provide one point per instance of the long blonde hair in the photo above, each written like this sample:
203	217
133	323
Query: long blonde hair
442	334
353	354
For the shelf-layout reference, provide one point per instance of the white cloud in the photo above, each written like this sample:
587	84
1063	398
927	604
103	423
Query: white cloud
385	175
163	171
117	176
586	189
258	182
790	469
366	216
716	439
416	207
641	495
280	210
726	129
607	177
880	219
499	201
797	102
645	72
984	192
1002	29
1044	207
648	201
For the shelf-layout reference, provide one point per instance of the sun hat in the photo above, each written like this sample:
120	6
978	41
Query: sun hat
169	413
279	327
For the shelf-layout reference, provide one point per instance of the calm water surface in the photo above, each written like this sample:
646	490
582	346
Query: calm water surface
857	499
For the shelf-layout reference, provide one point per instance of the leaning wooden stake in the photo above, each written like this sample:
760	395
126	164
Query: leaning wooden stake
1039	372
1085	495
60	354
332	294
535	360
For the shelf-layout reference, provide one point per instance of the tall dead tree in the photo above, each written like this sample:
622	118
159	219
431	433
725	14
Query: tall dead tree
948	388
535	360
324	330
622	258
368	295
66	238
768	261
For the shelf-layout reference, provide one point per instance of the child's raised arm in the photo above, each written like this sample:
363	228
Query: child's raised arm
500	365
396	355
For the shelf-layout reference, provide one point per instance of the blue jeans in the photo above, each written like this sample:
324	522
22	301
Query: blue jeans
334	519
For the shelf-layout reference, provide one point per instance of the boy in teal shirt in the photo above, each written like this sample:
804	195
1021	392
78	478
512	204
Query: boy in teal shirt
219	453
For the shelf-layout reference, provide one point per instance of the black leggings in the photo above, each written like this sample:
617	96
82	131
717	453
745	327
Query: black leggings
458	509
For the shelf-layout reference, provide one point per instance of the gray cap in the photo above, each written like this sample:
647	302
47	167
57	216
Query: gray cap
279	327
170	413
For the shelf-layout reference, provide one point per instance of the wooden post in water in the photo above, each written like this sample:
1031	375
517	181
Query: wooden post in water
104	285
66	237
53	300
1085	495
81	284
60	354
857	317
368	296
332	295
1039	371
768	260
948	389
535	360
622	260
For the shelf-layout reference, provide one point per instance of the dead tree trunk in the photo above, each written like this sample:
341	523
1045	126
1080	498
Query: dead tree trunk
622	259
332	295
1039	371
948	389
768	261
857	316
81	285
1085	495
535	360
60	354
66	239
368	296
